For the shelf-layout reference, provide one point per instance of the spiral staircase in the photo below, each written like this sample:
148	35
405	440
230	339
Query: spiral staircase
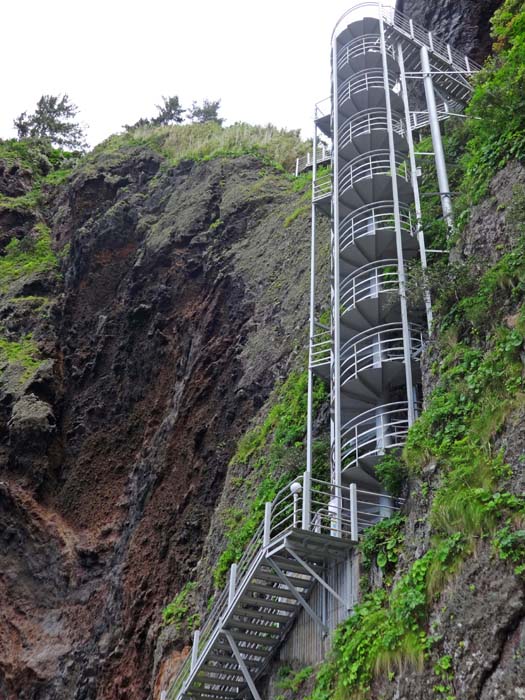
369	353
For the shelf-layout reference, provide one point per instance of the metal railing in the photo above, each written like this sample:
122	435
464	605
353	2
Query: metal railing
363	81
376	346
366	43
403	24
322	187
366	122
323	108
304	504
369	165
371	219
369	282
320	347
324	154
373	432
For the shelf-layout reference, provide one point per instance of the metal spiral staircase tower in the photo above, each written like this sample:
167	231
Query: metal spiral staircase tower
369	353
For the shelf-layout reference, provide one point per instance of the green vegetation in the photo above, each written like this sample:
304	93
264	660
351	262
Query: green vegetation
275	449
392	473
204	141
497	128
382	543
48	166
291	681
23	353
179	611
27	256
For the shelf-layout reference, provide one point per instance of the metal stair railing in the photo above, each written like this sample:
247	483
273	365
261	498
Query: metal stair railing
369	282
375	346
366	122
324	155
358	47
373	432
371	219
322	187
363	81
369	165
309	505
321	347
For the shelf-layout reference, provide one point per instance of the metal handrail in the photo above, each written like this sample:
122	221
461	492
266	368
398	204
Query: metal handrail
322	187
370	219
362	81
367	121
368	282
366	43
399	21
369	165
324	154
375	346
373	432
320	348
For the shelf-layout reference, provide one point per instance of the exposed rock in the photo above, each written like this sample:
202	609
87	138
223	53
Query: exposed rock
462	23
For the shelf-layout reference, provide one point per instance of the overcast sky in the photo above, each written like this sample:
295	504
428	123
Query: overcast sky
267	61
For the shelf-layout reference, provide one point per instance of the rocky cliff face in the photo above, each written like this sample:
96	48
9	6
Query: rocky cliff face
129	369
463	23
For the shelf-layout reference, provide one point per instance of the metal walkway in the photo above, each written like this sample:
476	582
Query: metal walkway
271	584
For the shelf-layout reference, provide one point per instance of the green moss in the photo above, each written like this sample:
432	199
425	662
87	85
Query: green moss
179	611
300	211
27	257
23	353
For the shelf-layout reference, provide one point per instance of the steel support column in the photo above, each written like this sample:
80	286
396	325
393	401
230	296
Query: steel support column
242	666
310	409
415	185
399	239
435	130
336	300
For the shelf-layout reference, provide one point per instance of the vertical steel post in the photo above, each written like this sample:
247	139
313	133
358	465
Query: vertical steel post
232	583
336	302
415	184
310	405
195	649
307	500
267	523
354	532
439	153
399	238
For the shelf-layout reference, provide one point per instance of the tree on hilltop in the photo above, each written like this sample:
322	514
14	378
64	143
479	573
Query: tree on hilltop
208	112
170	112
53	120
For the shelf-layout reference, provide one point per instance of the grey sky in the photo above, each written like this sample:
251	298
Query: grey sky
267	62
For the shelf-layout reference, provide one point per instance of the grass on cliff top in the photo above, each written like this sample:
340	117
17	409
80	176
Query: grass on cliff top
26	257
200	142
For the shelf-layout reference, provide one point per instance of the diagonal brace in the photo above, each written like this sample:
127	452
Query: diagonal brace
297	595
316	576
242	665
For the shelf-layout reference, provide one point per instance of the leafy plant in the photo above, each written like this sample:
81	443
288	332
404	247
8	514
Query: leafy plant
178	612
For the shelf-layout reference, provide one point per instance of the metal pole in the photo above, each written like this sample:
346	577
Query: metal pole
439	153
267	523
415	185
310	407
399	239
307	484
354	532
195	649
336	303
233	581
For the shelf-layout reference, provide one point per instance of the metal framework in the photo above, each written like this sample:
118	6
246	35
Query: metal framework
369	353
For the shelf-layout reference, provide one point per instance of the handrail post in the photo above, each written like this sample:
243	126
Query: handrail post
195	649
232	583
354	535
307	485
267	523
